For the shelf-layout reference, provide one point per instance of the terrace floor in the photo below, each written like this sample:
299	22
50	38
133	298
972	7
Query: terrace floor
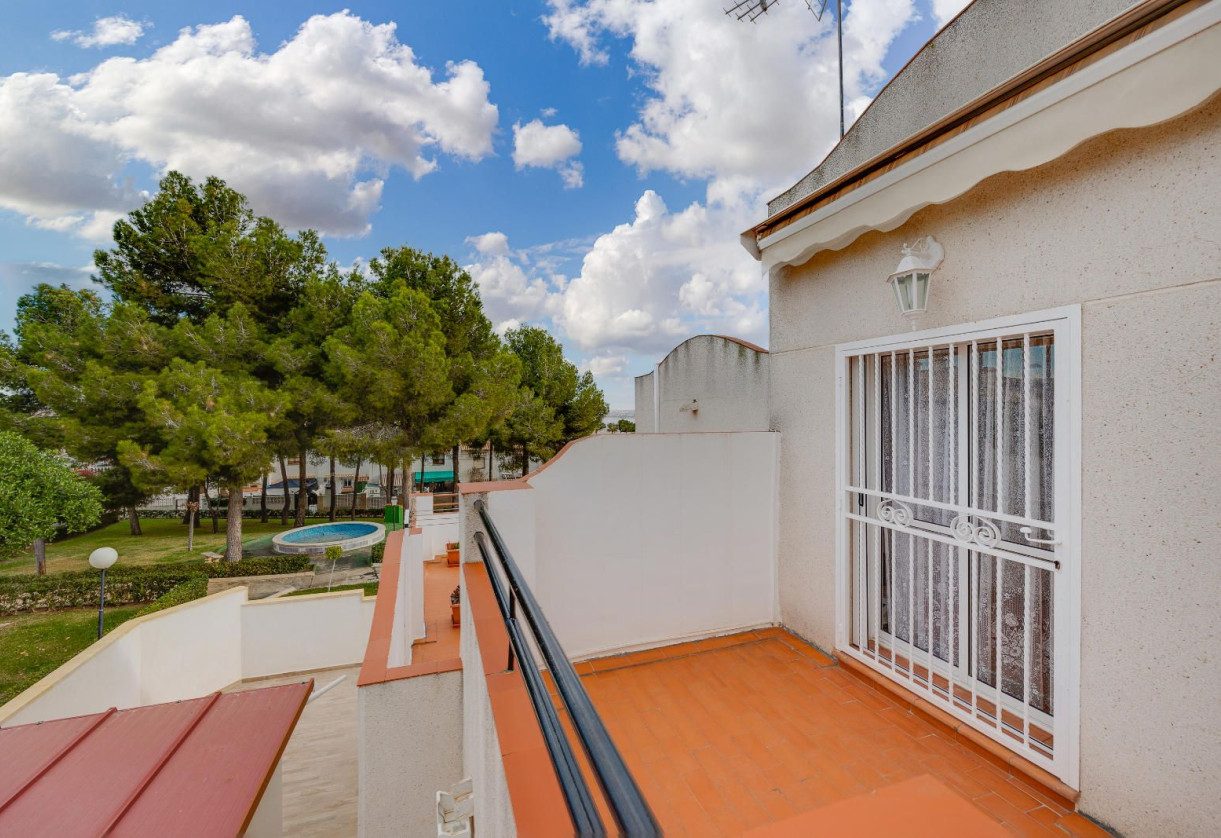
441	637
729	734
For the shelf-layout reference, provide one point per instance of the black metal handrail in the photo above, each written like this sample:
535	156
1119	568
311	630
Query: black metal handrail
630	810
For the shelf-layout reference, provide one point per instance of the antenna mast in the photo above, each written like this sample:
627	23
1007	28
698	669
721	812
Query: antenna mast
749	10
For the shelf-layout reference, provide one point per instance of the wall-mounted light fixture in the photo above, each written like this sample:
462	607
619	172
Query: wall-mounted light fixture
911	279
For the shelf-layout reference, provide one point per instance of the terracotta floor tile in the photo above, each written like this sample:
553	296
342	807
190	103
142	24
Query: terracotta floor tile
742	732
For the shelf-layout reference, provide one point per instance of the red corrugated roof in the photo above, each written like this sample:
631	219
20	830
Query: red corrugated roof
189	768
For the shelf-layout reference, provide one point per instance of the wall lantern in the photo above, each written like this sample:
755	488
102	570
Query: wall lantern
911	279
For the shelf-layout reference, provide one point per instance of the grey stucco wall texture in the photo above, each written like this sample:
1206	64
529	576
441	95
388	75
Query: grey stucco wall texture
1126	226
644	403
729	380
989	43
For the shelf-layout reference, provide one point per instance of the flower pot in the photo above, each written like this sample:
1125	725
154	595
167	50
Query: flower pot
451	556
455	613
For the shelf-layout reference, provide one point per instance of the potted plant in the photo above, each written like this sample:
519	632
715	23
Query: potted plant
455	606
451	554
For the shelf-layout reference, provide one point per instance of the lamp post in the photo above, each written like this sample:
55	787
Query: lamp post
102	558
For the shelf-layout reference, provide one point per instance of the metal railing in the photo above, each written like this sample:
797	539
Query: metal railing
627	805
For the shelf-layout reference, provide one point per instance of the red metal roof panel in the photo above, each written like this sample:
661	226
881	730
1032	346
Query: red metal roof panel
195	767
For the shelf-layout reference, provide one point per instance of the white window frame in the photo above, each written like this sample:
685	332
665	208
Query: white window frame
1067	429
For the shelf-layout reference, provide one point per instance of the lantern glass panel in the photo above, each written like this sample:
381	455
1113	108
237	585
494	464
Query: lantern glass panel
920	293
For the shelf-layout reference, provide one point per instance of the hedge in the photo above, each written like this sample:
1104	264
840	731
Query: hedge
273	515
194	588
79	588
126	585
259	566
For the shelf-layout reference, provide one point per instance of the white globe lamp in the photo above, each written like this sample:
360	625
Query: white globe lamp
100	559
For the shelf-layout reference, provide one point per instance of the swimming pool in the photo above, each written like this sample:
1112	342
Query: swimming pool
315	538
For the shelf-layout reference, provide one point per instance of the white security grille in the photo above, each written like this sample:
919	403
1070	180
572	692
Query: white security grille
957	570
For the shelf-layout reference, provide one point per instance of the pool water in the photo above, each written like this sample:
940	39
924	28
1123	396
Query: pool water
327	532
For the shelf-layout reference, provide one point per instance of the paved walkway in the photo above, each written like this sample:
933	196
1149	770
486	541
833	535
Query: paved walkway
320	775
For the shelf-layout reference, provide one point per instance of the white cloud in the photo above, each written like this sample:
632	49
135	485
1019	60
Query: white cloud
946	10
729	99
746	108
508	292
283	127
572	174
549	147
106	32
609	366
640	288
490	244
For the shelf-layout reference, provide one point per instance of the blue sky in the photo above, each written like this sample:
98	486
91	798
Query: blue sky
592	162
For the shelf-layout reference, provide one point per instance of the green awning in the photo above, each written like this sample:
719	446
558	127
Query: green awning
435	477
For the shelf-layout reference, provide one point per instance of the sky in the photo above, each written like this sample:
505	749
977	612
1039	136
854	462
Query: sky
590	162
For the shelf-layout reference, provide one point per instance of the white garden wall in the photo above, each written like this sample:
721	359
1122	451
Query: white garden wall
296	634
199	647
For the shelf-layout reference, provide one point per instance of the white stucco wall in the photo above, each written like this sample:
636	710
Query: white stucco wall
1125	226
199	647
644	539
481	757
644	404
295	634
728	379
410	748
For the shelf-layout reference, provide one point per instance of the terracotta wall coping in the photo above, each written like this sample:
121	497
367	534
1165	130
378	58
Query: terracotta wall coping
492	486
534	791
373	670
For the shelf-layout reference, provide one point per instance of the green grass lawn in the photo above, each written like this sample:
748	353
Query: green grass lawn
370	589
33	645
163	541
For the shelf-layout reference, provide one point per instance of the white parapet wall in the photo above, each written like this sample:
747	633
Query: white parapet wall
634	540
199	647
410	748
297	634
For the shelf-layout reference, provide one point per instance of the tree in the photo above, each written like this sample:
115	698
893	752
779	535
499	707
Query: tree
483	377
389	364
626	426
194	250
556	403
82	367
39	494
312	405
216	425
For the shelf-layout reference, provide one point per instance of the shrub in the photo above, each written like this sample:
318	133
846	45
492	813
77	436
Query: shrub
194	588
259	566
128	585
377	551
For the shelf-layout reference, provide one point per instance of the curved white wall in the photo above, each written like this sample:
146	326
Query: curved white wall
726	378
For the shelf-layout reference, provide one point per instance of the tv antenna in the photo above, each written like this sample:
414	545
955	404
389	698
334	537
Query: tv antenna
751	10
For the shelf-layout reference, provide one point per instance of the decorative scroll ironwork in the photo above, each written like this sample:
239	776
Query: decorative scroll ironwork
978	531
895	512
